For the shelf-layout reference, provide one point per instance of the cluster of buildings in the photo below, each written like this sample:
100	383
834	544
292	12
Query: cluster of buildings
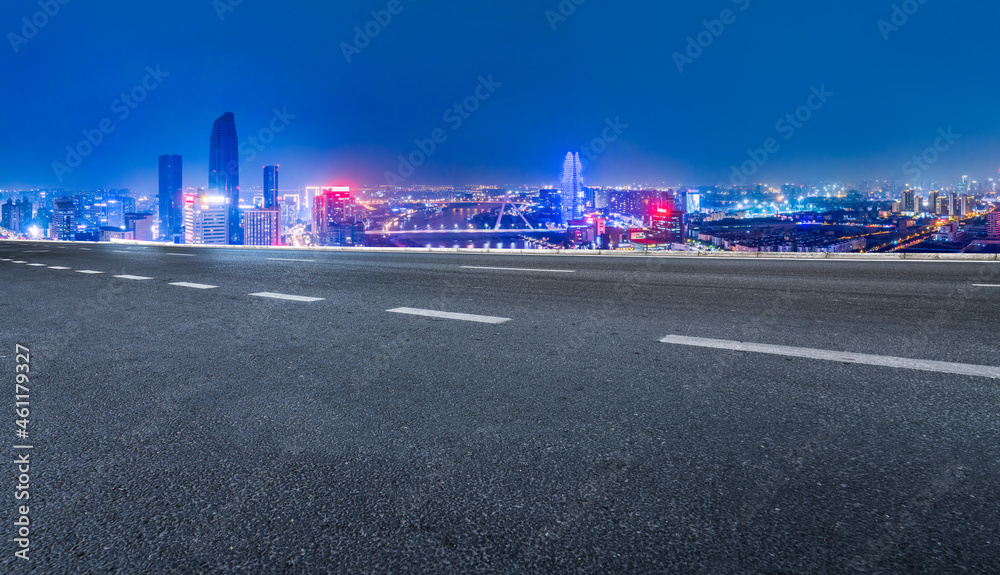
215	215
953	204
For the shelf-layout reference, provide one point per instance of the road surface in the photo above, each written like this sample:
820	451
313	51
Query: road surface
263	411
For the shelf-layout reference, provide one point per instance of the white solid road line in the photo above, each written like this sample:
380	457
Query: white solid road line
287	260
448	315
136	278
185	255
841	356
194	286
520	270
59	268
286	296
92	272
985	285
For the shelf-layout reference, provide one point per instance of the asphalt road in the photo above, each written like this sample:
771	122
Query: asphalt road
184	430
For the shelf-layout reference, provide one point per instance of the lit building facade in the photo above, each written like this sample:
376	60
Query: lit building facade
262	227
171	197
572	188
270	187
335	218
206	219
224	171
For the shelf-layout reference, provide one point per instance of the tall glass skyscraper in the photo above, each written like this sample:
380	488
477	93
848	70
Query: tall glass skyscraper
224	171
170	198
270	187
572	188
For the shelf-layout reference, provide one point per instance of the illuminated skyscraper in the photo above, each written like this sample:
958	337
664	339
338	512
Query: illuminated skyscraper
334	218
572	188
224	171
171	197
270	187
206	219
262	227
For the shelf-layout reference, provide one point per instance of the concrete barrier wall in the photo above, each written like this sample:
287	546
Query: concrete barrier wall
578	253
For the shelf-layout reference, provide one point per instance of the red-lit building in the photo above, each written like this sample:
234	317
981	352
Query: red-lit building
335	218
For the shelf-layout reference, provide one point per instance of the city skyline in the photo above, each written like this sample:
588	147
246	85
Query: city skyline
692	111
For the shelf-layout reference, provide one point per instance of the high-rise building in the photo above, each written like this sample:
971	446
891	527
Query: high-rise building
572	188
64	218
206	219
141	226
932	202
291	207
908	204
334	218
993	225
224	171
114	213
270	187
171	198
262	227
953	205
6	214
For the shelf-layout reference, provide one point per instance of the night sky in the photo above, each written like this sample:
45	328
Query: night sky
558	89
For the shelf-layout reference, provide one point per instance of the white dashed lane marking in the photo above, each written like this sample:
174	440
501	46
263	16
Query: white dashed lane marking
88	272
288	260
193	286
59	268
136	278
37	265
838	356
287	297
183	255
449	315
520	270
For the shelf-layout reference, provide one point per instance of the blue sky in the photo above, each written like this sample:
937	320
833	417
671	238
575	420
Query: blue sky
563	74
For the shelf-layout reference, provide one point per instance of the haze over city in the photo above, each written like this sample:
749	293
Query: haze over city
560	78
